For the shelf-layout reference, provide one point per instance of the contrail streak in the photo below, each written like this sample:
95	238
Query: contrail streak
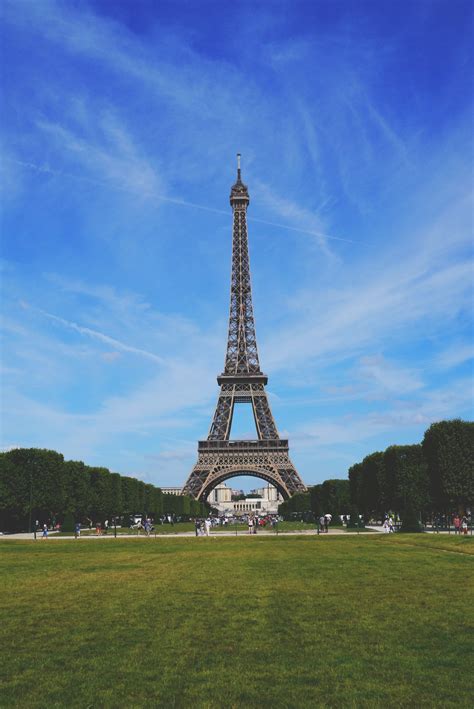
176	200
96	335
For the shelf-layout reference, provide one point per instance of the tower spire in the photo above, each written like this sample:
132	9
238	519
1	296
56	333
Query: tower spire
238	168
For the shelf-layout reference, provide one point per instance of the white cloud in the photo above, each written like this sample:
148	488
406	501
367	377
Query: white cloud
455	355
386	379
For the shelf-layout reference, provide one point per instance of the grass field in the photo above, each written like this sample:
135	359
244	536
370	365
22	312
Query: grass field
376	621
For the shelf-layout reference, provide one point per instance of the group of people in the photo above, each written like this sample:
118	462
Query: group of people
388	525
461	524
146	524
202	527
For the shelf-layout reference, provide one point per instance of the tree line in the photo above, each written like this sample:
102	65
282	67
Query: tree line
331	496
38	484
432	478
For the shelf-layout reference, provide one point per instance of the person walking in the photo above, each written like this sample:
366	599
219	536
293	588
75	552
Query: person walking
464	525
322	521
457	524
207	526
77	530
45	531
250	525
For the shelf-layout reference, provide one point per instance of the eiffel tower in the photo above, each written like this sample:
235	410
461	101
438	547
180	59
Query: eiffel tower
242	381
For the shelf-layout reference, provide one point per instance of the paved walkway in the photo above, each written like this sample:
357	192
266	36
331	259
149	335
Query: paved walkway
191	535
173	535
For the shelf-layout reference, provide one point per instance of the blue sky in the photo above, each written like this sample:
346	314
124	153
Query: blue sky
120	125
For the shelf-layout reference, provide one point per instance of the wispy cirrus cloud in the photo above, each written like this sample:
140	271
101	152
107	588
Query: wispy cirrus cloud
384	300
455	355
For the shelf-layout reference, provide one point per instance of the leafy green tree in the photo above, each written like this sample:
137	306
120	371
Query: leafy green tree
372	502
410	518
39	476
407	478
330	497
335	495
100	492
448	447
297	505
78	489
130	496
15	495
354	520
115	507
157	503
355	485
316	501
69	523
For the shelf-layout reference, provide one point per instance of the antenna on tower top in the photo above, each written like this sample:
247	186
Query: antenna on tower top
238	166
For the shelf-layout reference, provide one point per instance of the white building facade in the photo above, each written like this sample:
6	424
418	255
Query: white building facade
262	501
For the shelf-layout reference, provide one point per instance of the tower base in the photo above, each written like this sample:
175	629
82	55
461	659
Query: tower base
265	459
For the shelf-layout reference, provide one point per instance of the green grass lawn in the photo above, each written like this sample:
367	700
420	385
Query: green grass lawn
376	621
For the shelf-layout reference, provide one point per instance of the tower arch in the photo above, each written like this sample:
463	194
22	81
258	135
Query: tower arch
227	473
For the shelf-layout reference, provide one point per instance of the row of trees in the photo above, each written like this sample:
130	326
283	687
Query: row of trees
331	496
433	477
40	484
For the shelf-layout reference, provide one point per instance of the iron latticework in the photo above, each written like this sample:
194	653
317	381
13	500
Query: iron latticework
242	381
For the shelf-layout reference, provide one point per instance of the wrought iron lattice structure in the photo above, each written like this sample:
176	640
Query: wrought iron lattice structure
242	381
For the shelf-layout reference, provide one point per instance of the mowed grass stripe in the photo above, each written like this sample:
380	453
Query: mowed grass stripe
351	621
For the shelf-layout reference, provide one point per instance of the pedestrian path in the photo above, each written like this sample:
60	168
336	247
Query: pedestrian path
190	535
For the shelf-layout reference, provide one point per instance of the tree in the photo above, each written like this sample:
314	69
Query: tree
410	518
116	501
354	520
335	495
130	496
296	506
14	496
330	497
78	489
355	485
407	478
69	523
316	502
371	492
38	478
448	447
100	493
